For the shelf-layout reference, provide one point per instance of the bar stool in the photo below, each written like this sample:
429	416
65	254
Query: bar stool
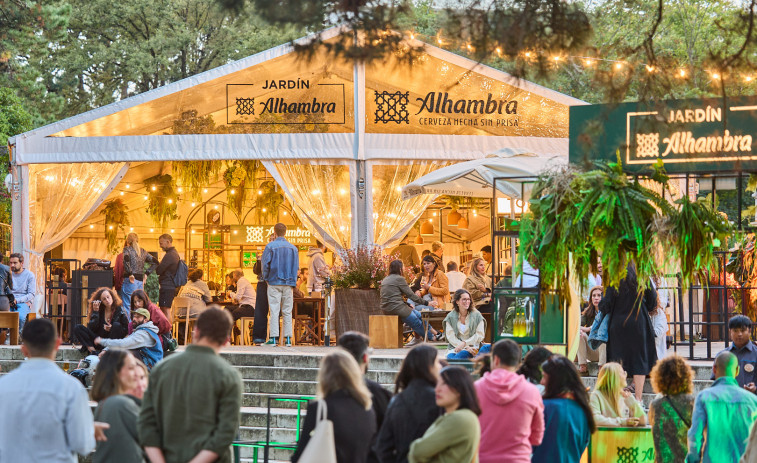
245	325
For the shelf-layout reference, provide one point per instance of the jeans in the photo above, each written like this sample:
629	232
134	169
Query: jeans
414	322
127	288
23	312
280	300
464	354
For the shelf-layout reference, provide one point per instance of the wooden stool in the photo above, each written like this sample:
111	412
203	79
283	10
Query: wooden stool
10	320
385	331
488	329
187	335
245	326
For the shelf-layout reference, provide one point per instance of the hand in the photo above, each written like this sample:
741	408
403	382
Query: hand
426	286
460	347
481	287
632	422
472	350
100	428
418	293
98	340
433	304
106	326
131	279
95	305
751	388
625	394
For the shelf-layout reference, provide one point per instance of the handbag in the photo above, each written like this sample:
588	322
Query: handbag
320	448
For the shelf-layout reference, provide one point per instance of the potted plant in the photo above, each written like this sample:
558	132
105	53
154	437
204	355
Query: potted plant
357	278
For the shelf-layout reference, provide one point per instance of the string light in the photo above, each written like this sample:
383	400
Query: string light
192	231
264	210
682	73
170	201
154	188
173	231
152	230
715	75
215	207
649	68
180	190
131	228
110	227
260	192
618	66
193	204
285	212
233	191
205	190
588	62
122	193
128	186
748	78
91	227
528	54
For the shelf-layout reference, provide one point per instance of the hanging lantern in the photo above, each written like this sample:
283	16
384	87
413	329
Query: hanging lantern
427	229
419	239
462	224
453	218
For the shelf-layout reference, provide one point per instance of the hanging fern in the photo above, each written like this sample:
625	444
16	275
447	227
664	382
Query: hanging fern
195	175
116	219
162	201
268	202
575	217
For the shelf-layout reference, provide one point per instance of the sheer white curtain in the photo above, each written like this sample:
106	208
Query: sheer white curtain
321	195
61	197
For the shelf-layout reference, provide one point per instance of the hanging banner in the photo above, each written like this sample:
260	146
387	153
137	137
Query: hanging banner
435	96
695	135
257	235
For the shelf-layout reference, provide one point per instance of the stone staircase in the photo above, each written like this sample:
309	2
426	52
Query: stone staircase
281	372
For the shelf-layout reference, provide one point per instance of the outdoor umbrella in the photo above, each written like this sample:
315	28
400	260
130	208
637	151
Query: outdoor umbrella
475	178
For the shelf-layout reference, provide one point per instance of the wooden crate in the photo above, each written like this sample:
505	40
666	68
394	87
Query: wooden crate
385	331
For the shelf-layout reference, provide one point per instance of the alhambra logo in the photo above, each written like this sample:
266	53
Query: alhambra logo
392	107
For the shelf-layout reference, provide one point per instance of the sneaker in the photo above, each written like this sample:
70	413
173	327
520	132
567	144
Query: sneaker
272	342
414	342
288	341
258	341
583	370
439	336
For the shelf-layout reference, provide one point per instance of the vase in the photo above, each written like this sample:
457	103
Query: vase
353	307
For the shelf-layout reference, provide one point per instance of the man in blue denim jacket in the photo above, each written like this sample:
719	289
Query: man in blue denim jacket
281	260
723	415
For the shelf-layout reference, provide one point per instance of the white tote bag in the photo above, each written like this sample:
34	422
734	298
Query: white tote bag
320	447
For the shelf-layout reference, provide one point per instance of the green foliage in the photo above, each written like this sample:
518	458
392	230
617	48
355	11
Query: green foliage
362	267
14	119
577	216
162	200
152	287
116	220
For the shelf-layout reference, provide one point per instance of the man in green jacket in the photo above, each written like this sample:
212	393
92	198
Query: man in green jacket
190	411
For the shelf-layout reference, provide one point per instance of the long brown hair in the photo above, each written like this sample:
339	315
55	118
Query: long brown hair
106	382
590	306
97	296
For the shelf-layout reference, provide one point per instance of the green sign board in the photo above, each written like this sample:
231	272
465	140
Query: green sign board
694	135
249	259
257	235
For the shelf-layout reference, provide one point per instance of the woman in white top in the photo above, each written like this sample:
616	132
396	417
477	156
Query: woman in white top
198	291
465	328
611	405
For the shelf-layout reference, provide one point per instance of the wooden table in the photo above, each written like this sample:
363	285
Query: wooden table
428	315
319	309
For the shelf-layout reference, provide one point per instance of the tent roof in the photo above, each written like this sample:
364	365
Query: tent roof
159	124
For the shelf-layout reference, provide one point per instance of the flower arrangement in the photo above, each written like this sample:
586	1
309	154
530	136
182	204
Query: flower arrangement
363	267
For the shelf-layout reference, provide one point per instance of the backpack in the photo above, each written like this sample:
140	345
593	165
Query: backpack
181	275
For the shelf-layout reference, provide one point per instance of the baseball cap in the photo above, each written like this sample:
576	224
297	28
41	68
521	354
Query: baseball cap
142	311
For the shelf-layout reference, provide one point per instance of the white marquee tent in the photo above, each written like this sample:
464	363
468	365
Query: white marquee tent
340	138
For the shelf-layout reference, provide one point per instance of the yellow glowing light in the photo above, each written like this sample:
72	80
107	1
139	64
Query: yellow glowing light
170	201
748	78
498	50
145	197
470	48
618	66
342	228
131	228
556	58
316	192
110	227
213	232
412	36
122	193
342	191
152	230
154	188
215	207
193	204
193	231
180	190
91	226
233	191
430	220
682	73
128	186
236	232
715	75
588	62
205	190
434	214
285	212
173	231
439	41
528	54
260	192
265	210
649	68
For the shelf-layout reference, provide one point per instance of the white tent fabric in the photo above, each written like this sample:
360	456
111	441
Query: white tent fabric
475	178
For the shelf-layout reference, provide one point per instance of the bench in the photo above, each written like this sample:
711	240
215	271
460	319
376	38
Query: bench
385	331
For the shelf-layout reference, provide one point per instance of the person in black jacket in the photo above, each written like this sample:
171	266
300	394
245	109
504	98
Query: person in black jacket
348	403
413	409
107	320
166	271
356	343
260	325
630	334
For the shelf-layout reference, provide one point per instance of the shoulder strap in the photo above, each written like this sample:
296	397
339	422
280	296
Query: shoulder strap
678	412
322	412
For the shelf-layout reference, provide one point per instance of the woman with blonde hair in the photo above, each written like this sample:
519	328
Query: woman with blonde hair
670	414
479	285
134	268
610	404
348	407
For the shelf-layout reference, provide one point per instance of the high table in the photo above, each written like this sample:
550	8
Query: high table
427	316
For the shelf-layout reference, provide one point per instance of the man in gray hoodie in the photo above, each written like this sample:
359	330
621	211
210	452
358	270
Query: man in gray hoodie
143	342
318	269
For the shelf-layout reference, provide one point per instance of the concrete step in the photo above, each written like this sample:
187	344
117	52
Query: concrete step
303	374
271	387
289	358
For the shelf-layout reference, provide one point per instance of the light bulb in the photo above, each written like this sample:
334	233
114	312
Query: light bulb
172	230
264	210
233	191
236	231
205	190
128	186
170	201
154	188
110	227
193	204
131	228
145	197
215	207
91	226
122	193
152	230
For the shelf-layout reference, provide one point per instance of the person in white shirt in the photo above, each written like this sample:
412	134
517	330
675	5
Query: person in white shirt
45	413
456	278
244	297
660	320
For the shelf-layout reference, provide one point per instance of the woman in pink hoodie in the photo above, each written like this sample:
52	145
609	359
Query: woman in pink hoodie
512	416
